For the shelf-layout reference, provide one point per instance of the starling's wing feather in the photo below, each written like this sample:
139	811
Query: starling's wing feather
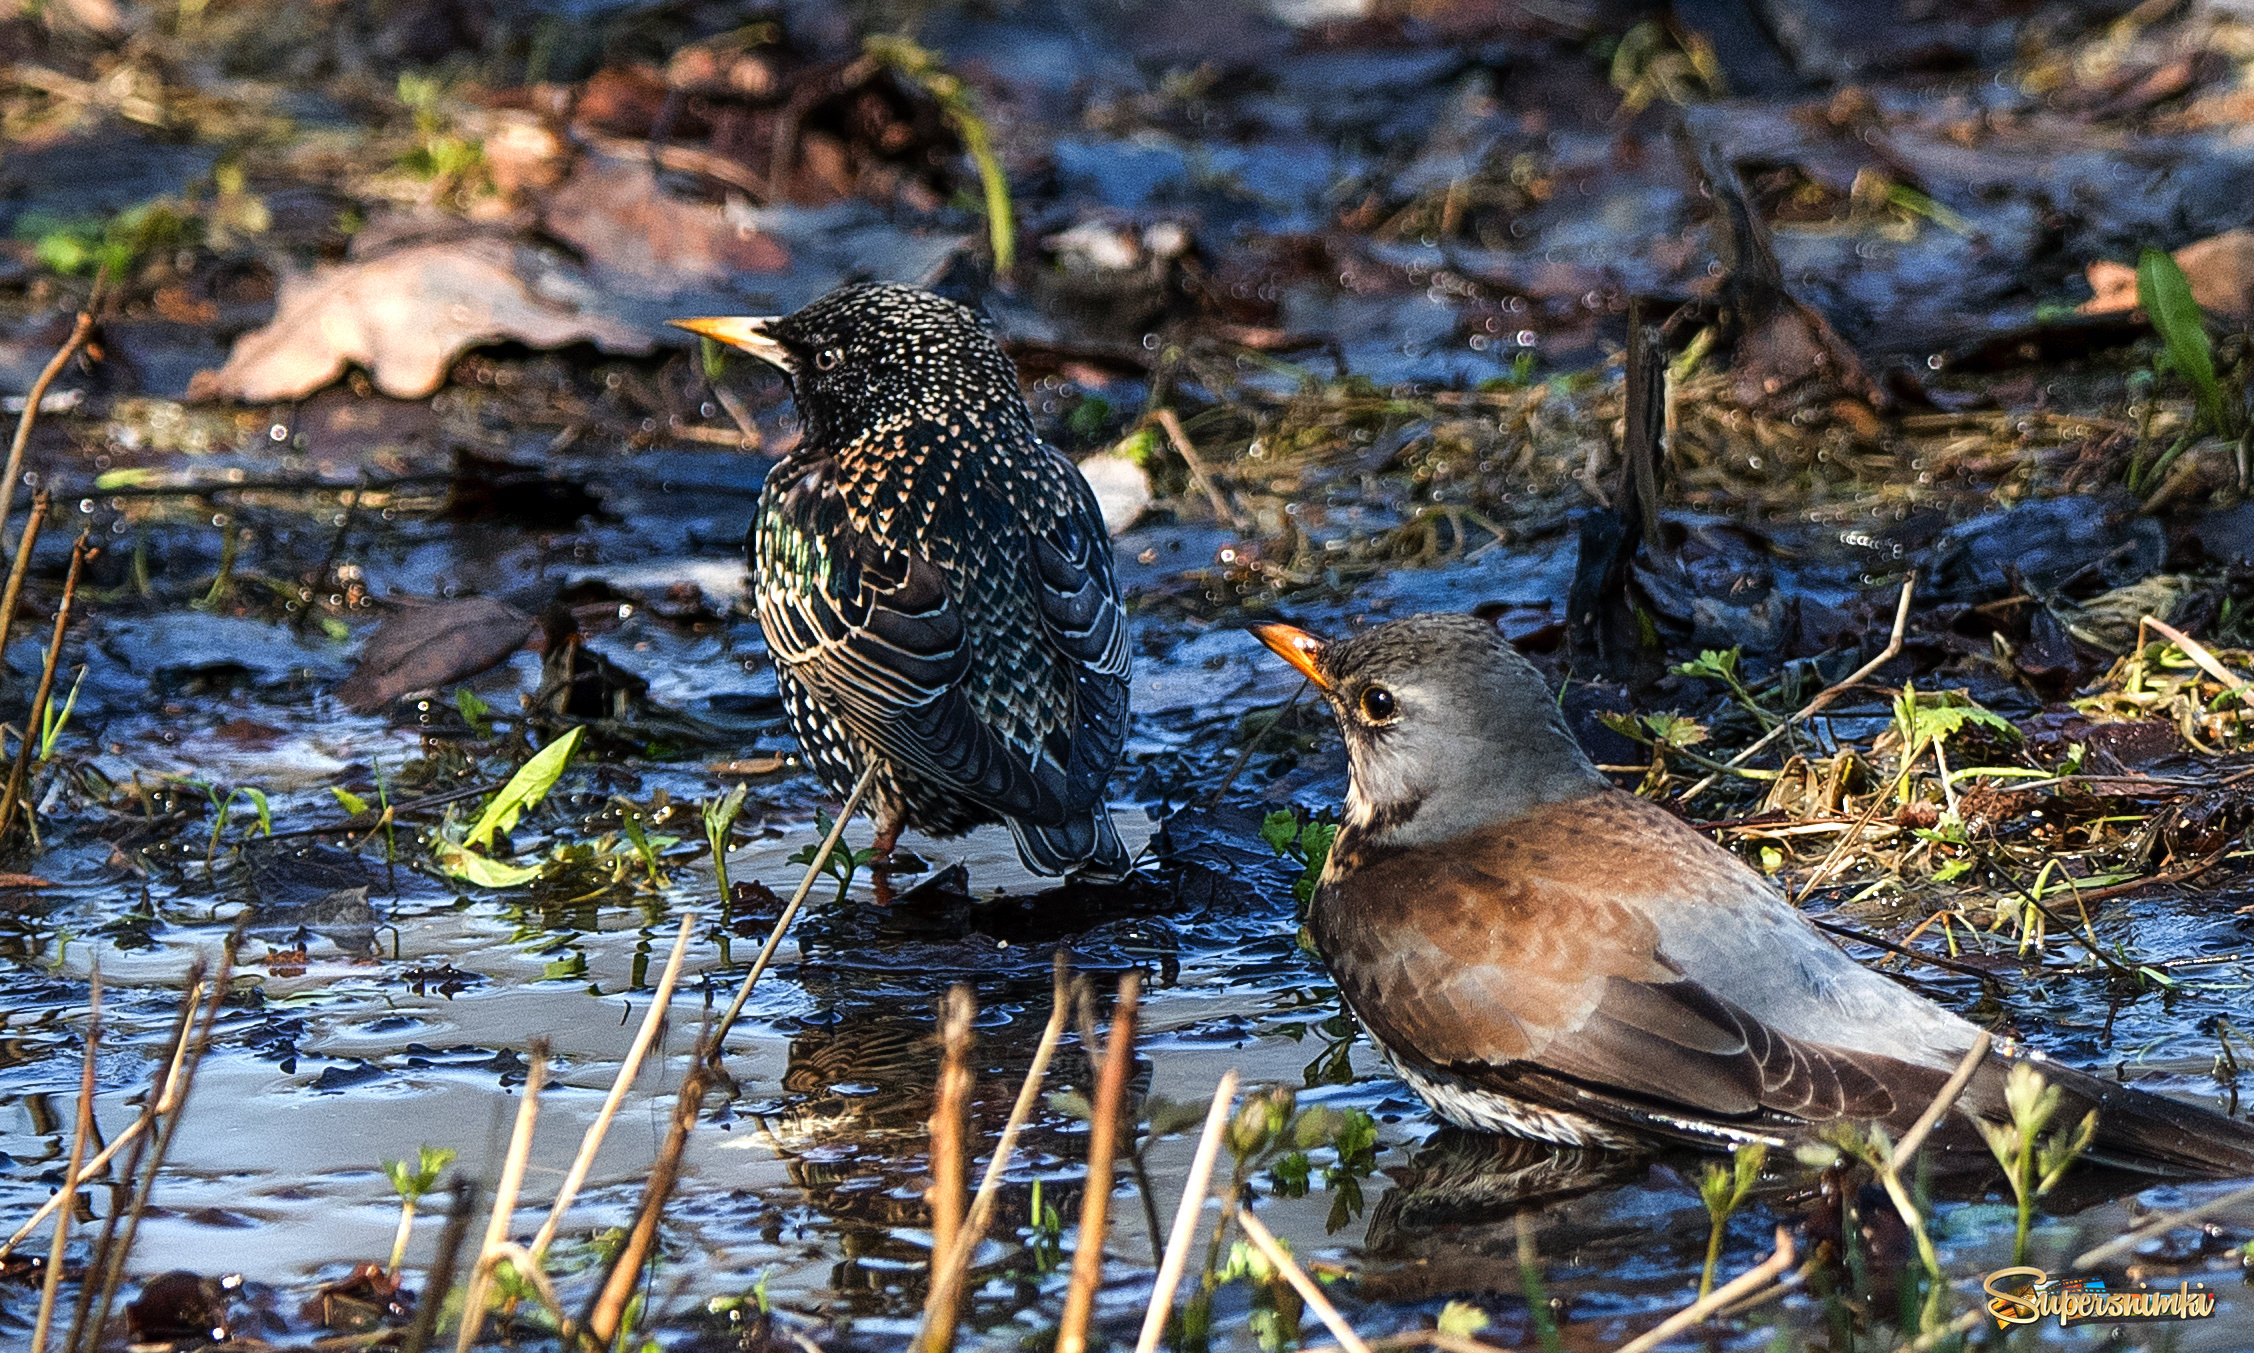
873	631
1086	622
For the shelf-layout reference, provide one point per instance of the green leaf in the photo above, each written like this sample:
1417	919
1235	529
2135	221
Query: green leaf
352	802
1462	1319
473	711
257	798
1280	830
527	787
483	870
2165	294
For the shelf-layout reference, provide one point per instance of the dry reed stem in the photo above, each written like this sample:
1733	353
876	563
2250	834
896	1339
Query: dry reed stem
1265	1241
608	1310
41	503
790	912
1187	1214
949	1195
504	1199
185	1079
981	1215
451	1238
1187	450
53	1277
78	335
1744	1284
2096	1255
37	722
160	1103
1931	1339
1823	697
108	1266
1103	1146
652	1020
1967	1067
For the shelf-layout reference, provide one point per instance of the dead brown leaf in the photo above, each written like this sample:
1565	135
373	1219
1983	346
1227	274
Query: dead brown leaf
406	316
642	240
427	645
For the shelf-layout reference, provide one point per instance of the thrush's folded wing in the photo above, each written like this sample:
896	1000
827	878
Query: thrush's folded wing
873	630
1510	961
1086	623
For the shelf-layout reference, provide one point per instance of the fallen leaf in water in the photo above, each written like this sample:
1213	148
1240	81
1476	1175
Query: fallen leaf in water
643	240
750	765
24	881
428	645
407	315
2220	269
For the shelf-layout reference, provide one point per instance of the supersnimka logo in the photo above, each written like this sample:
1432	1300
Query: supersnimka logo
2025	1296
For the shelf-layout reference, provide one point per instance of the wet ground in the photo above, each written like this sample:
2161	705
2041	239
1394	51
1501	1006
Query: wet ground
1382	268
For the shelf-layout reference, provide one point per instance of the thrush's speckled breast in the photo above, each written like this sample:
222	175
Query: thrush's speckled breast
935	583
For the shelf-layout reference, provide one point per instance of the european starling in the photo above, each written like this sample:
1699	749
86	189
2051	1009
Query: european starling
1544	955
935	584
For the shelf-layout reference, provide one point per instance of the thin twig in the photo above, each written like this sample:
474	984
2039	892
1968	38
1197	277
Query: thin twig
652	1021
1265	1241
35	726
1187	450
504	1199
981	1214
790	910
1236	768
79	332
1932	1339
1103	1145
1864	937
1823	697
57	1248
608	1310
16	572
1727	1294
950	1113
2096	1255
1942	1102
2194	650
1187	1213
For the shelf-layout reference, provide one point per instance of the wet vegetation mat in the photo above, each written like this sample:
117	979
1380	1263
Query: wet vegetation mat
417	924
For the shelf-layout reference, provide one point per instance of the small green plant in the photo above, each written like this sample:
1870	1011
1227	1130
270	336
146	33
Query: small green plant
1461	1319
2165	295
2032	1162
53	722
843	862
412	1185
918	65
1721	665
1045	1233
646	845
475	712
1926	721
1724	1191
719	820
222	801
119	245
1307	842
466	859
454	165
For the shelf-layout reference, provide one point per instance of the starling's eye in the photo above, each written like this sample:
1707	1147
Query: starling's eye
828	357
1377	704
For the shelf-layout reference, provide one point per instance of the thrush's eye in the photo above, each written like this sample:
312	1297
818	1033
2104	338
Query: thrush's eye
1377	704
828	357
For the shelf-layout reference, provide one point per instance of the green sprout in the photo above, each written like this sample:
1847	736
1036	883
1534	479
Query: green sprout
843	861
53	722
719	820
915	63
2033	1163
1724	1191
474	711
2164	293
412	1186
1309	843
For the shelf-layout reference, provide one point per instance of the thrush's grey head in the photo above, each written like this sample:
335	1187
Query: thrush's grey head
869	359
1447	728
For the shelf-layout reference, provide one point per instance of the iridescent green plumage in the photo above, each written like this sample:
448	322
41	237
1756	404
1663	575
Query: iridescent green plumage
936	584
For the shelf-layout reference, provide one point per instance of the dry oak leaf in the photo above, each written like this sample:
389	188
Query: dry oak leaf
406	316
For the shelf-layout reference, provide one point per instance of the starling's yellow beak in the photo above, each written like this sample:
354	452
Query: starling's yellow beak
1297	647
748	332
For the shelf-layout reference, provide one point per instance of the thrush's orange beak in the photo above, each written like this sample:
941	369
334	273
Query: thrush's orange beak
1297	647
748	332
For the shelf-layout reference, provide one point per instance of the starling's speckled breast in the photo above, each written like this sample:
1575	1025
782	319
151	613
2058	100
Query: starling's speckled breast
936	584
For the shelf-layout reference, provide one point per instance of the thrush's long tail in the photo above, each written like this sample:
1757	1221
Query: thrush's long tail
2136	1130
1087	846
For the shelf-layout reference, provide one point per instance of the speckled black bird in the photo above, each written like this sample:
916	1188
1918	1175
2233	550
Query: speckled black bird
935	583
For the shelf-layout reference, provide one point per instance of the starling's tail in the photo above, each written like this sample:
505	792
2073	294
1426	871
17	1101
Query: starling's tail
1087	847
2136	1130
